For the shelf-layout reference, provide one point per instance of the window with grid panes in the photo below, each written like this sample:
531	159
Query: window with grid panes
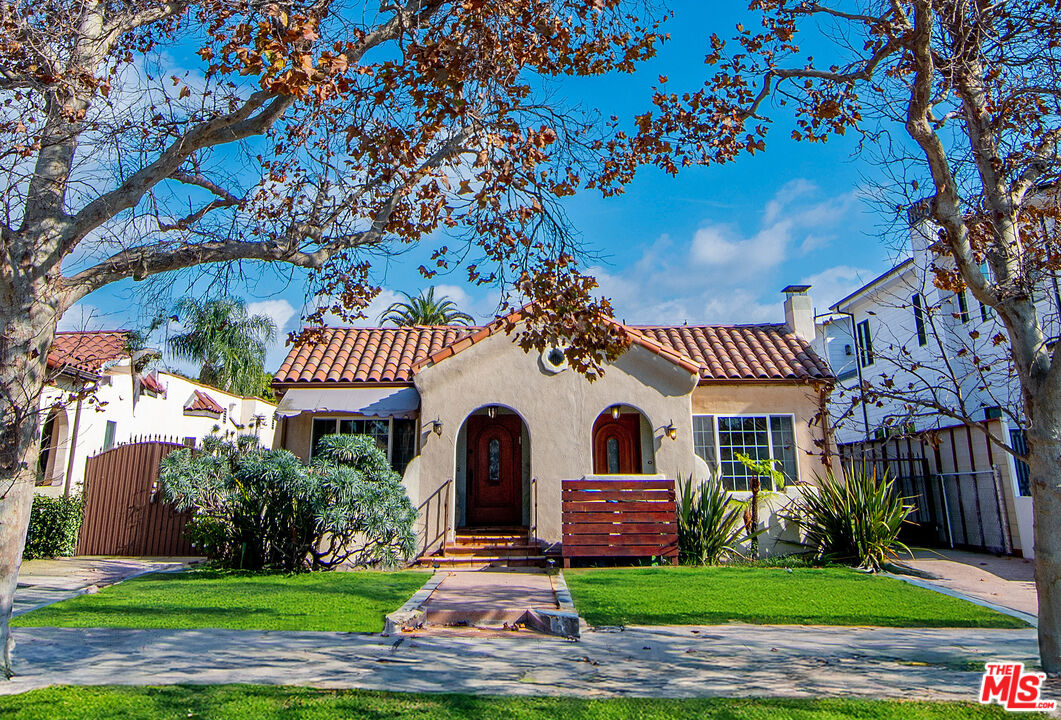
378	430
758	437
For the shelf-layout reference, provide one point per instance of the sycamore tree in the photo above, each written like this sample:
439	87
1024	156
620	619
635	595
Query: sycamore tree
141	137
961	100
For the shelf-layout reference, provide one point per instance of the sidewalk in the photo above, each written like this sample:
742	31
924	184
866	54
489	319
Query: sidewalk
43	582
728	660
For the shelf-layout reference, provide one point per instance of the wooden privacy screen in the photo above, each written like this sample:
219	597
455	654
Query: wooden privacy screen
619	517
122	515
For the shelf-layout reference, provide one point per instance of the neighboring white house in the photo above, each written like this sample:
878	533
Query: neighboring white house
95	399
902	334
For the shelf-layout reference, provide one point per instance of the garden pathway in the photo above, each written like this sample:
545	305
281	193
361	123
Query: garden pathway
725	660
43	582
491	598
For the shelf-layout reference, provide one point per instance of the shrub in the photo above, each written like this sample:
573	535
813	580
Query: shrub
54	523
710	523
854	519
256	508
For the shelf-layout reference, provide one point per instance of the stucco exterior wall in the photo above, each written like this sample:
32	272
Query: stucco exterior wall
163	415
801	401
558	410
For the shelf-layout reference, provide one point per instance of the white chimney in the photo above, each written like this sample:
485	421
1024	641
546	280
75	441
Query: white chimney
799	311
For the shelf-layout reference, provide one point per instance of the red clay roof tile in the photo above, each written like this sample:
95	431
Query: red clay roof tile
87	351
393	355
201	402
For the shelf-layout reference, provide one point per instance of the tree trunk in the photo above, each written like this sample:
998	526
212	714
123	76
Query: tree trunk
1044	462
28	330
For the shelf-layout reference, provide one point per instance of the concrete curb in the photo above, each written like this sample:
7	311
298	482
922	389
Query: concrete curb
917	582
410	615
567	604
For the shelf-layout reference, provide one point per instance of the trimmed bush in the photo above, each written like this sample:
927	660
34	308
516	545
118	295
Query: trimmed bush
260	509
54	523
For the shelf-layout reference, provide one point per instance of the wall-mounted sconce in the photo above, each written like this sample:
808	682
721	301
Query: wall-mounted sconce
436	427
491	412
672	432
616	412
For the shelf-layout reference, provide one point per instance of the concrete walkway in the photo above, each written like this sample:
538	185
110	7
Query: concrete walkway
43	582
729	660
492	598
1008	582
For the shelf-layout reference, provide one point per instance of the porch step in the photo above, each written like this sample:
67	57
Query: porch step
465	562
523	548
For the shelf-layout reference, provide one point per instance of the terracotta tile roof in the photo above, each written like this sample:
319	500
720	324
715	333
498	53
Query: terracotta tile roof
201	402
393	355
382	355
87	351
151	383
743	352
636	338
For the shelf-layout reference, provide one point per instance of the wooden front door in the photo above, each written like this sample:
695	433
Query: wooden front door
495	470
617	445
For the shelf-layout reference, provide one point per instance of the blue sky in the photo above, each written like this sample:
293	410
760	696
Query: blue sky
712	245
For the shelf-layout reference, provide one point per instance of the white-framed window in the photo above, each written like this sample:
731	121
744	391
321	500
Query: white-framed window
963	306
395	436
718	438
865	343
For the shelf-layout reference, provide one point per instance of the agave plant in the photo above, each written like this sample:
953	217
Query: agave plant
855	518
710	523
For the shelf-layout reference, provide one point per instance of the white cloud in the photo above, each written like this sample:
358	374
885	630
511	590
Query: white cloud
832	284
725	275
281	311
82	316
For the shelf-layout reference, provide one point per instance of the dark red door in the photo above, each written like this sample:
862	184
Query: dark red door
617	445
495	470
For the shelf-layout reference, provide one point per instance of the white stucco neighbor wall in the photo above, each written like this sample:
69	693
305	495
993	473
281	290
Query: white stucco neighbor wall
558	410
141	414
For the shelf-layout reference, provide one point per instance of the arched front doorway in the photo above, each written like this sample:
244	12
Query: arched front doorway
617	442
494	468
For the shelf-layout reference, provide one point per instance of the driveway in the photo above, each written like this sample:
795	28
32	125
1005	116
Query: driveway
43	582
1008	582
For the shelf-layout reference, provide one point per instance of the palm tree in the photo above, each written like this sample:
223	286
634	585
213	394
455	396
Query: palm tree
425	309
229	343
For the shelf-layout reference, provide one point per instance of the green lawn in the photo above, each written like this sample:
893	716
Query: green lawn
326	601
804	596
249	702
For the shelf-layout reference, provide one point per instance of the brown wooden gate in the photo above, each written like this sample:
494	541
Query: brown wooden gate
619	517
123	514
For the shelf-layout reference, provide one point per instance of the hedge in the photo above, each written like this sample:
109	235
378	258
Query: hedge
54	523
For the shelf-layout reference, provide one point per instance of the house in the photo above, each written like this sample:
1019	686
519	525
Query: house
484	432
933	347
96	398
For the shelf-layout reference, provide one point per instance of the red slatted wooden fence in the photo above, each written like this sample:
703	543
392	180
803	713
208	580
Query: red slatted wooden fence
619	517
123	515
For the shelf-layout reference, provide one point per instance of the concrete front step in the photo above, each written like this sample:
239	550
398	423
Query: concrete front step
481	561
520	549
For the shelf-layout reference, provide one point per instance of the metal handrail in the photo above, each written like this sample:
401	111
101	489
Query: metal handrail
441	513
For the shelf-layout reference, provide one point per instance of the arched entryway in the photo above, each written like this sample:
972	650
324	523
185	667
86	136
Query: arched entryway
495	455
618	447
52	459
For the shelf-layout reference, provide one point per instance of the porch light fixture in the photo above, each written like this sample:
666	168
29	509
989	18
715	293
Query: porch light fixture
436	427
615	412
491	412
672	432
